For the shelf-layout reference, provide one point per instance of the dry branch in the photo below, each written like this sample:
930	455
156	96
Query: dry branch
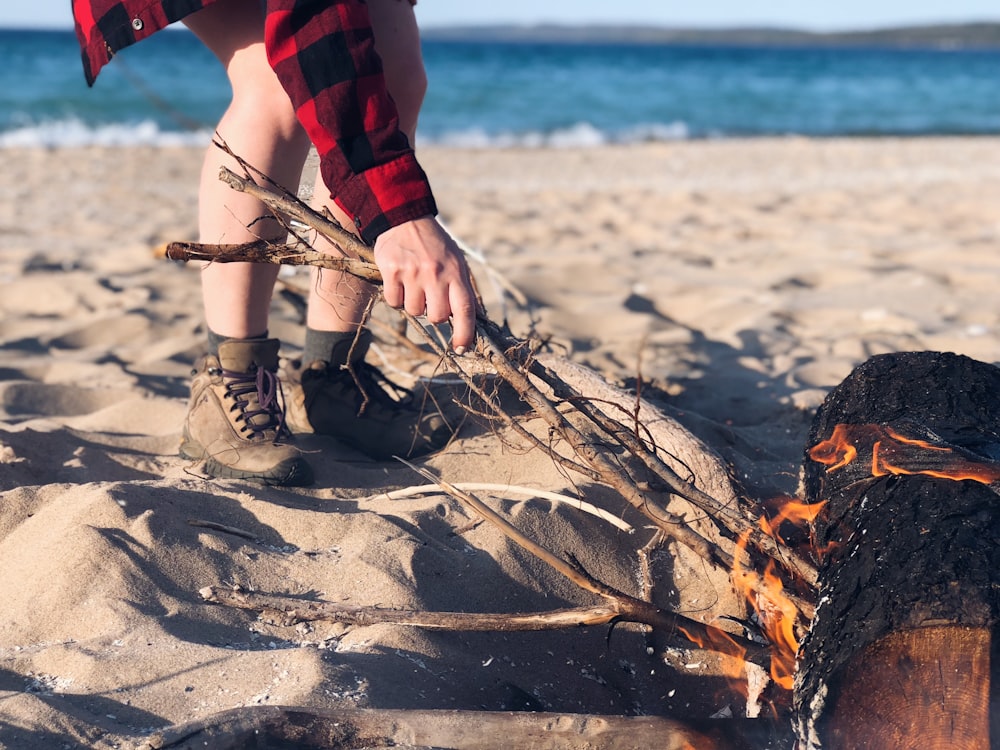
287	611
262	251
509	489
287	204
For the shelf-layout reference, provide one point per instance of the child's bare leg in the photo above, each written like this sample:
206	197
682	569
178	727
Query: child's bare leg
260	126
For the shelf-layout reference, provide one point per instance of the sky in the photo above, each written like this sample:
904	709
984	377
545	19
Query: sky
804	14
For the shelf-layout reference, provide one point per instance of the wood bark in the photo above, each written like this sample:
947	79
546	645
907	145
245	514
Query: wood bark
899	654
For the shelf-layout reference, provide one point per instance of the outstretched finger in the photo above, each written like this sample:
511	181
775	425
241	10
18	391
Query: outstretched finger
463	319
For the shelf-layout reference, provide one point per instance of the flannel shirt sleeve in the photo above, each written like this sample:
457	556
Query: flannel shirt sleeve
323	52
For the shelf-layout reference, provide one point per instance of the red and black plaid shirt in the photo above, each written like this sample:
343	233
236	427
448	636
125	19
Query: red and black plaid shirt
323	53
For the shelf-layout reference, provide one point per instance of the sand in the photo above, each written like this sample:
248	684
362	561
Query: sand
740	279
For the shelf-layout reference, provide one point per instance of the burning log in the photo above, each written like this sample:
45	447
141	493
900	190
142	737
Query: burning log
906	454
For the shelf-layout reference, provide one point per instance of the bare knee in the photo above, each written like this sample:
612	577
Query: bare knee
234	31
259	98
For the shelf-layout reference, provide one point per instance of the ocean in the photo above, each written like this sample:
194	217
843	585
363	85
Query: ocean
169	90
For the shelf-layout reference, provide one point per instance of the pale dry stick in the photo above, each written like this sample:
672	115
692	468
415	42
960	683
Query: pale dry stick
478	506
509	489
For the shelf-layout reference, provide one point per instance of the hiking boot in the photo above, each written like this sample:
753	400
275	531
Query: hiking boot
350	400
235	421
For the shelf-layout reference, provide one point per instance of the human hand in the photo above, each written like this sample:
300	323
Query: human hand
425	273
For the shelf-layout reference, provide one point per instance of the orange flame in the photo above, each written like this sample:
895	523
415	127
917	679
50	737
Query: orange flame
731	654
891	453
895	454
776	613
793	511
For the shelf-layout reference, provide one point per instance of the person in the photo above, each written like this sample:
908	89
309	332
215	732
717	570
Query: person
347	77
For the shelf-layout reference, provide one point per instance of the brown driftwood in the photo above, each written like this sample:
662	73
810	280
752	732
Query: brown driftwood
905	453
262	251
353	729
288	611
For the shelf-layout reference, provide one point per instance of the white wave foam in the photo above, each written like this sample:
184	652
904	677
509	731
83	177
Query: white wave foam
75	133
580	135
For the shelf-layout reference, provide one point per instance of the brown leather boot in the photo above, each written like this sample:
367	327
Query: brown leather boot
235	421
350	400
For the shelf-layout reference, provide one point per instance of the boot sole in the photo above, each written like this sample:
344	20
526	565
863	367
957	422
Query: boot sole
294	472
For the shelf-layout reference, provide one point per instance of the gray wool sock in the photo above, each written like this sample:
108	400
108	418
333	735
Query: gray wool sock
332	346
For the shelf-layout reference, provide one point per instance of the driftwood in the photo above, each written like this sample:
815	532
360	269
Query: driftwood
905	453
353	729
262	251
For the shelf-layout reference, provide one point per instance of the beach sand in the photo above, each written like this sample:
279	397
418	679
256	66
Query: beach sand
741	280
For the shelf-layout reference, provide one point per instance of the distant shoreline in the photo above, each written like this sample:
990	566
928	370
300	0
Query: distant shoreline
936	37
966	36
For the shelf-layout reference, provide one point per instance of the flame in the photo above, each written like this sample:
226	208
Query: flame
792	510
731	654
776	613
835	452
895	454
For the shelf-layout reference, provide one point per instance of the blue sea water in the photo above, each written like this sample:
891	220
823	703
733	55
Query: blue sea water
169	89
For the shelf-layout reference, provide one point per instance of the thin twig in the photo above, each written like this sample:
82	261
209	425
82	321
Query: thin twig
288	611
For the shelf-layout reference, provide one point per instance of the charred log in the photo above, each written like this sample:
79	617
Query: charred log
904	452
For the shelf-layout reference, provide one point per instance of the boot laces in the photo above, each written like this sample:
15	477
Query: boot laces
257	393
